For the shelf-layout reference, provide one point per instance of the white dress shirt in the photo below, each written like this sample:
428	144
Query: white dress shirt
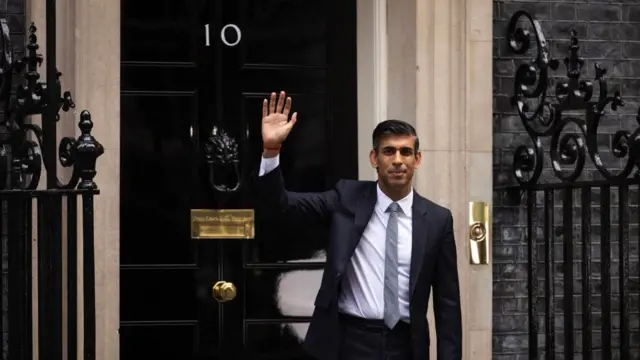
362	289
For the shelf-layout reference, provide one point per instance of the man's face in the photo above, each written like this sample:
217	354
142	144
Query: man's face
396	160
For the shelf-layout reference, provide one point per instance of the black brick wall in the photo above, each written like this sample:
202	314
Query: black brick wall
609	34
14	12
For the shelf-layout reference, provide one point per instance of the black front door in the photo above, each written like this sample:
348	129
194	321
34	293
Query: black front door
193	71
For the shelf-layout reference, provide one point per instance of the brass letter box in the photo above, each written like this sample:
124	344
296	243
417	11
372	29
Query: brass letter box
222	224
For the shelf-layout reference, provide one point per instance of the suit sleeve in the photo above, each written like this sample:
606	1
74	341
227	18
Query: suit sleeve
446	297
274	198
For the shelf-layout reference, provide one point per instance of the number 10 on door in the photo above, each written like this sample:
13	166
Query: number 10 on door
223	36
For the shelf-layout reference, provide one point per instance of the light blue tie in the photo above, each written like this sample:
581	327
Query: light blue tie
391	304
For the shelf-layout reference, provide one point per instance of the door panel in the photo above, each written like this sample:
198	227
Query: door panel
175	91
156	166
158	31
159	312
158	341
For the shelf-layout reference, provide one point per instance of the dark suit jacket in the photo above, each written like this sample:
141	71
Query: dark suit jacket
346	209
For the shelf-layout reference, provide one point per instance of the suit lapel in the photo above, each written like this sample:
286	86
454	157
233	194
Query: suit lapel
419	242
364	210
364	206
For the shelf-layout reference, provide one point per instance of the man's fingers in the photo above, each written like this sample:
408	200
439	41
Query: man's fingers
287	107
272	103
280	102
294	118
264	109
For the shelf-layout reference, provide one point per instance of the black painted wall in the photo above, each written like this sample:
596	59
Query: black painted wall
14	12
609	31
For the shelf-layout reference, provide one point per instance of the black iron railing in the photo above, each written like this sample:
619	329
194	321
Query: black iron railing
44	221
580	212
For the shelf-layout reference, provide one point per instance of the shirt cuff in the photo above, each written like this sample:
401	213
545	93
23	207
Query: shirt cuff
268	164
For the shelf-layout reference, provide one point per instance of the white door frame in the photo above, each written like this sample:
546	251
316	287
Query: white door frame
372	76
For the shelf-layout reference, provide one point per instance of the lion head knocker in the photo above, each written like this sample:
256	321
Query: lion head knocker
221	153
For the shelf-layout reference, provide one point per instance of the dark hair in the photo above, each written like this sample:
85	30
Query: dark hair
394	127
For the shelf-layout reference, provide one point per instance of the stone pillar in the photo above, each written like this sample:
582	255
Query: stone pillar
434	69
454	123
88	55
97	74
401	53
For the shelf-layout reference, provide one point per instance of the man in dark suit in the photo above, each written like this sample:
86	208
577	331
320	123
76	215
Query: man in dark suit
388	248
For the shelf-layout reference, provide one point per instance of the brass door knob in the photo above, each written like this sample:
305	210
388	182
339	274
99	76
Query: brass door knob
224	291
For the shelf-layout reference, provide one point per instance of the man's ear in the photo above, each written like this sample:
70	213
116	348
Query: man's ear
418	159
373	159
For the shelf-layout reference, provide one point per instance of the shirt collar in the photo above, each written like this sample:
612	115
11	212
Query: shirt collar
406	203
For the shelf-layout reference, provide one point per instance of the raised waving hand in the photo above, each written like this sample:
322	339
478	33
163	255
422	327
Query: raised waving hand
276	125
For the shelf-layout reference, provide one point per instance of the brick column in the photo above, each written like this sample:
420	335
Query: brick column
608	35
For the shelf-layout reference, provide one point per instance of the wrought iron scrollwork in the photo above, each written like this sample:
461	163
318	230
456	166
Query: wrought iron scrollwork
223	162
546	118
21	157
